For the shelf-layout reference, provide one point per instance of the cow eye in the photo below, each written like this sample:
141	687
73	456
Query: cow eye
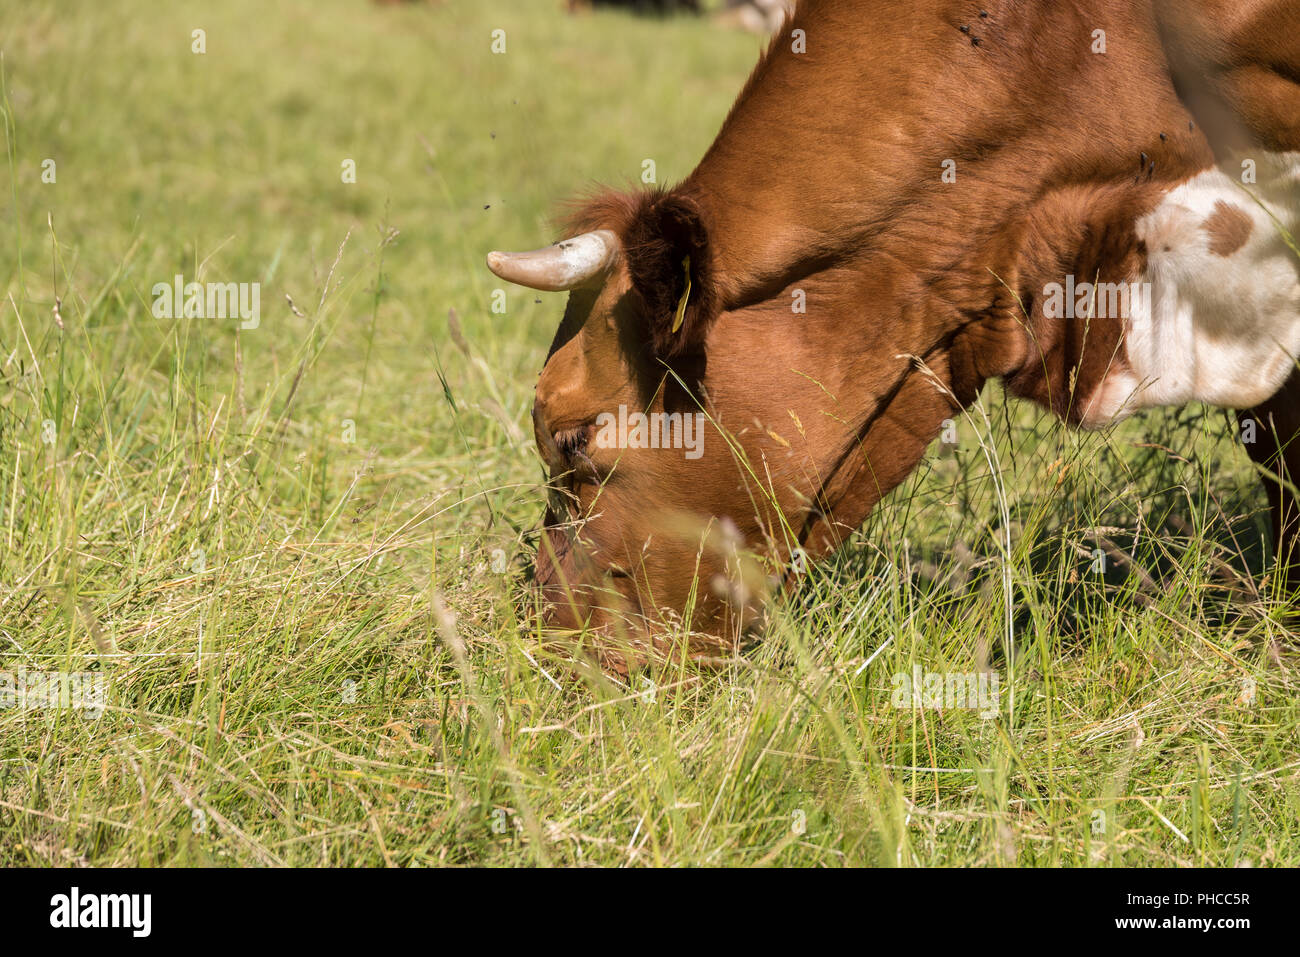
570	442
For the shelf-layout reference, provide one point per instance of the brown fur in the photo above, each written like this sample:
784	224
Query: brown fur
1228	228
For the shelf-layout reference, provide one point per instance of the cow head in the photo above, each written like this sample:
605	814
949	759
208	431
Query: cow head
649	490
748	362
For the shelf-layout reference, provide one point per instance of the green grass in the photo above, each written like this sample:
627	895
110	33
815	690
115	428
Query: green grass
278	545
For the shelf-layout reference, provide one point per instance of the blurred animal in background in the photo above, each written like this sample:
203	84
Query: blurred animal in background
758	16
639	6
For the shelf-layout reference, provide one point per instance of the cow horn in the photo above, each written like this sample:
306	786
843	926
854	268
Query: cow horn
569	263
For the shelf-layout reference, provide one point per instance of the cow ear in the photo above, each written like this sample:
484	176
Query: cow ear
666	247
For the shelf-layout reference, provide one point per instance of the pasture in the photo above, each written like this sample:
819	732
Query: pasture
290	551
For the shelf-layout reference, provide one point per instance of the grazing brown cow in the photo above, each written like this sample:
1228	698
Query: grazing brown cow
1092	199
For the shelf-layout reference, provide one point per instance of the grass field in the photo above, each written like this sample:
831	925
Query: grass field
292	553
